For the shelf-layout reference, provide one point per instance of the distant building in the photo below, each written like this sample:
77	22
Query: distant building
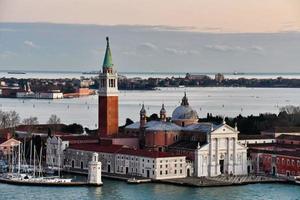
219	77
196	76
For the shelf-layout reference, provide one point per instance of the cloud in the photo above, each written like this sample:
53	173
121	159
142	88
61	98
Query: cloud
211	29
257	48
30	44
147	46
230	48
289	26
225	48
172	28
7	54
175	51
7	30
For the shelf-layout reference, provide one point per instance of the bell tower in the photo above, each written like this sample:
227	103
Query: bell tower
108	110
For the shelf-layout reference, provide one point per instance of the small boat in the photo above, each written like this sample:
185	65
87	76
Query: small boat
297	180
133	181
16	72
91	73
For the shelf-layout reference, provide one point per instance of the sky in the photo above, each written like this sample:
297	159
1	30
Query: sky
200	15
151	35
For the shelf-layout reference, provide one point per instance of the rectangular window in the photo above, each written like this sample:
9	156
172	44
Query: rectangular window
166	172
160	172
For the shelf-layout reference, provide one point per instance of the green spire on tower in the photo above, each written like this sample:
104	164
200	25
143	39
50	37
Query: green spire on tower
107	63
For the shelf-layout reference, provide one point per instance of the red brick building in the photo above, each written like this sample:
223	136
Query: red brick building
279	163
108	113
280	159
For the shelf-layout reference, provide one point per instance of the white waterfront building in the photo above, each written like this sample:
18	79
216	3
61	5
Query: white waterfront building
222	154
55	147
116	159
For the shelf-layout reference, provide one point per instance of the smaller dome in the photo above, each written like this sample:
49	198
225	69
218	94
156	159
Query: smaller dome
143	110
163	110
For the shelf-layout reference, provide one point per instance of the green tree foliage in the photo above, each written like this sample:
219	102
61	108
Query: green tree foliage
73	128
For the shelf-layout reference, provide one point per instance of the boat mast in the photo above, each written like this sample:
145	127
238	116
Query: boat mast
40	161
30	152
13	160
58	159
34	161
19	158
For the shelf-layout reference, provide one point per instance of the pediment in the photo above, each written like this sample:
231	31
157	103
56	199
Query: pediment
224	129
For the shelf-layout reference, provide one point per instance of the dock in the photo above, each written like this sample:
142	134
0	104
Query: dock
121	177
56	184
221	181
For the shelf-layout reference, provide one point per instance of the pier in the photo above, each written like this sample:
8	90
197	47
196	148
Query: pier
54	184
222	181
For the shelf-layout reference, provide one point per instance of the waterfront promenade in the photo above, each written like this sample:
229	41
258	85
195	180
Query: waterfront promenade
223	181
197	181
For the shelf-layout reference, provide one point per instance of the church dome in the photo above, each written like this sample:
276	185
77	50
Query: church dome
184	111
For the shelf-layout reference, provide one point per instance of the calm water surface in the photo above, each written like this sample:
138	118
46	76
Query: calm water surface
118	190
218	101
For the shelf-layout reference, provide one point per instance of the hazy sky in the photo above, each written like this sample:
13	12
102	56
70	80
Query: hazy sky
65	47
202	15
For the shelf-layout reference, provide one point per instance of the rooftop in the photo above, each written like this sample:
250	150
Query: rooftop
254	137
294	129
202	127
121	150
289	137
186	145
282	153
96	148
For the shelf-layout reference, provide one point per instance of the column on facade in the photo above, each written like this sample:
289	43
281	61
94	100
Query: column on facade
234	155
217	166
210	156
228	155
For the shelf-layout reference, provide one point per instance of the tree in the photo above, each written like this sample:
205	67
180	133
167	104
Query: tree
54	119
72	128
9	119
153	117
14	119
128	122
290	109
30	121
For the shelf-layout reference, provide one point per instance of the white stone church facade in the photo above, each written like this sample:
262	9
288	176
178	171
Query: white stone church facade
222	154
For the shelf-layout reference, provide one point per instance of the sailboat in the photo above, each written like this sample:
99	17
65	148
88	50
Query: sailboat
36	178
